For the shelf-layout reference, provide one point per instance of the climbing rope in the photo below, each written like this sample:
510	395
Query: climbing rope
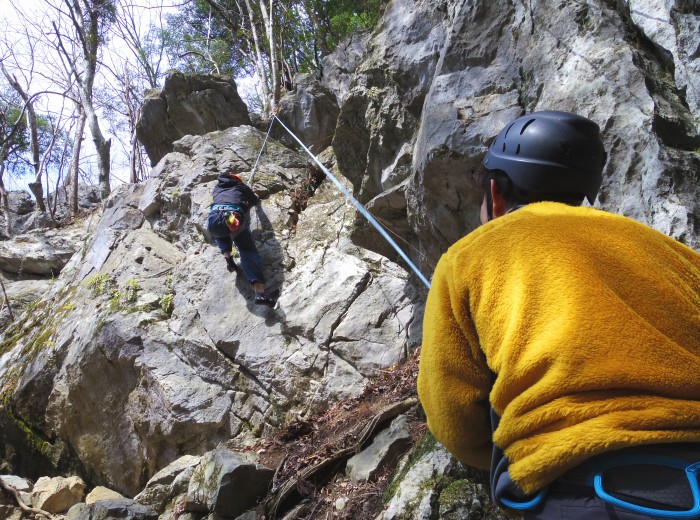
252	173
405	242
353	200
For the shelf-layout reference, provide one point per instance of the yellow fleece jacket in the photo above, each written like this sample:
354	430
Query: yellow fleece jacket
580	327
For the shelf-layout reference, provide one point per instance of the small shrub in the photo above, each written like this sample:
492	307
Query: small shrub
115	299
166	304
132	291
97	284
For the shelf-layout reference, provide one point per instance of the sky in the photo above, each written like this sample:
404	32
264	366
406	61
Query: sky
42	77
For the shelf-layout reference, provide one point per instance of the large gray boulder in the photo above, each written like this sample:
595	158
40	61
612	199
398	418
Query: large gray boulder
25	216
44	253
310	111
338	68
168	483
430	483
500	61
439	78
383	107
188	105
112	509
146	320
227	483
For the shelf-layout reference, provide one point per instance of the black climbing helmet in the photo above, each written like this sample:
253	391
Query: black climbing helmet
550	152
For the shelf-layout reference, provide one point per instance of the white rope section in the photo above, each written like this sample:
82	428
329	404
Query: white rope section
355	202
252	174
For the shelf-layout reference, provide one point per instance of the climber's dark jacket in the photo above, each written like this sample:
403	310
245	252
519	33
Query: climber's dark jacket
230	190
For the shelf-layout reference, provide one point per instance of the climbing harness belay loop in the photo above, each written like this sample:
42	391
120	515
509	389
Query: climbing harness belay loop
524	505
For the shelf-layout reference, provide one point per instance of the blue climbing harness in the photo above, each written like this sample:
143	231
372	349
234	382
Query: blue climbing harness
691	472
595	479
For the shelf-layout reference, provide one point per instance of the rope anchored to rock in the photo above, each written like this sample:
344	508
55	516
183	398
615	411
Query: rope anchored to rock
347	194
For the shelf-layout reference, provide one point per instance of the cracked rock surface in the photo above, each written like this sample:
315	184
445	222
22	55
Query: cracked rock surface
124	383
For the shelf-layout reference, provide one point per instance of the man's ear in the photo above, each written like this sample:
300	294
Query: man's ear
500	206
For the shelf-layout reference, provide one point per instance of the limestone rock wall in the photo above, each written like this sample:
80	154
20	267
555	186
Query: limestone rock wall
440	78
146	348
188	105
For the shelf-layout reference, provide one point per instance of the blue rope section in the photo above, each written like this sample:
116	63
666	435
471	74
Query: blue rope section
357	204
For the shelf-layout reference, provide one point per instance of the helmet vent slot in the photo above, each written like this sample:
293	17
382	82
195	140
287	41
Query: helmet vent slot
506	134
522	130
504	146
517	151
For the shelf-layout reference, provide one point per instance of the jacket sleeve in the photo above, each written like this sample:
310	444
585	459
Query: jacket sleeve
250	197
454	380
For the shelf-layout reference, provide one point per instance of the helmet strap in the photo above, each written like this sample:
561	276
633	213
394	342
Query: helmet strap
489	203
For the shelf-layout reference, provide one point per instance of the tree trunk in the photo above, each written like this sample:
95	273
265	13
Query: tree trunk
319	30
4	199
260	63
35	186
102	145
75	162
87	29
268	20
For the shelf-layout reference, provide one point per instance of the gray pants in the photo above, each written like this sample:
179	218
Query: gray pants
652	486
579	504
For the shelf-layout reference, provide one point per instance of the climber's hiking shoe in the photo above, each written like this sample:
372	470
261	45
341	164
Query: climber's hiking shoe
231	265
261	299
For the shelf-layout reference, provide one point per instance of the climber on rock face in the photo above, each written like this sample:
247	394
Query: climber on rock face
229	224
561	343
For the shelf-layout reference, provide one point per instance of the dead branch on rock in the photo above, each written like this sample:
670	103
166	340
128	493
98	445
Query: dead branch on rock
365	435
300	196
7	301
24	507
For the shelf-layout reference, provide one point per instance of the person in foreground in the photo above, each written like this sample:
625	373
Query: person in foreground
229	223
561	343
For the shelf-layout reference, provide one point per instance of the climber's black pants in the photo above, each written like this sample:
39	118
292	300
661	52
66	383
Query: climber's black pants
250	258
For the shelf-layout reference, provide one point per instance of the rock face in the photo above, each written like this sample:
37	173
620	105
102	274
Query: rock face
146	320
58	494
25	218
312	111
227	484
145	349
440	78
188	105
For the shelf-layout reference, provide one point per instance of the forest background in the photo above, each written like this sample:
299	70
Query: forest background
73	74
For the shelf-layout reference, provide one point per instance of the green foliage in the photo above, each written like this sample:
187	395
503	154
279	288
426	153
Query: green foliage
166	304
14	135
350	16
198	40
203	39
97	284
115	299
131	292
